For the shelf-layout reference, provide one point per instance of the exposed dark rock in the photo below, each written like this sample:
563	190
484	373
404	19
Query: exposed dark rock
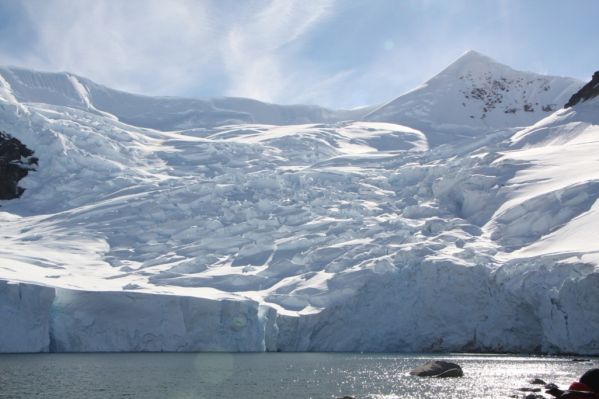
537	381
553	390
16	160
439	369
588	91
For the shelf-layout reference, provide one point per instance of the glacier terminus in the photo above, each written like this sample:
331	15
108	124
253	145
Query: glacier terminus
460	216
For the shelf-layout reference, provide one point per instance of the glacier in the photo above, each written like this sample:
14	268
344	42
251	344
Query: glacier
441	221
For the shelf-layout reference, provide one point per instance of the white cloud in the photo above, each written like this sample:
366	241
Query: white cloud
166	47
138	45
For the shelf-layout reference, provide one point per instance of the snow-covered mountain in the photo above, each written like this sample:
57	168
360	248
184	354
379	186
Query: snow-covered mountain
344	236
162	113
477	94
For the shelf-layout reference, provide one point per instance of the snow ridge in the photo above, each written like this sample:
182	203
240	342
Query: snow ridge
162	113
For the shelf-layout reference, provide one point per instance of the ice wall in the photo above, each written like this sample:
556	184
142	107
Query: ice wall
444	307
24	317
41	319
123	321
409	311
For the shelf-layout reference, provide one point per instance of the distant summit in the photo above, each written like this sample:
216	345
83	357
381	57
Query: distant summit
476	93
588	91
469	61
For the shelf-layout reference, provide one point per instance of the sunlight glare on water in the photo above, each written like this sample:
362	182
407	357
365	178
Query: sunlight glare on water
272	375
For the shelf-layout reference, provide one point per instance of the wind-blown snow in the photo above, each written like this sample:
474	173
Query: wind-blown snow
312	236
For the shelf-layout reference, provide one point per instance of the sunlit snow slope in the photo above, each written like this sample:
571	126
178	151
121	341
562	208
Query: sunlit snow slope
344	236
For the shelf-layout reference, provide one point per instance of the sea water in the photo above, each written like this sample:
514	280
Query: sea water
272	375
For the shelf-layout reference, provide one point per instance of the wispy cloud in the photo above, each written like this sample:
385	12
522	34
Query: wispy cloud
138	45
330	52
165	47
252	50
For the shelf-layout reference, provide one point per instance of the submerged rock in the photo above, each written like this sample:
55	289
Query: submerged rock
439	369
16	160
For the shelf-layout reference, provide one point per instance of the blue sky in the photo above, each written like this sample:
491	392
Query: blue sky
337	53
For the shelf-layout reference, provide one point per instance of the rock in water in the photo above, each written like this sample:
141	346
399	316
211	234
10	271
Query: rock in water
588	91
16	160
537	381
439	369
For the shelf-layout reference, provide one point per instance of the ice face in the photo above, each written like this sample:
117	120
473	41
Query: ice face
25	317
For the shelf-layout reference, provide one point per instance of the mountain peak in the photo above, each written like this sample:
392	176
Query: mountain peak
478	94
473	62
473	55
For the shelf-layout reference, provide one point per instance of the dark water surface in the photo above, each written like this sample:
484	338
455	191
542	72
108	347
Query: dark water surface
270	375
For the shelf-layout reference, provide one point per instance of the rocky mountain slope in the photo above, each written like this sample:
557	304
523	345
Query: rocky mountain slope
590	90
344	236
477	94
16	160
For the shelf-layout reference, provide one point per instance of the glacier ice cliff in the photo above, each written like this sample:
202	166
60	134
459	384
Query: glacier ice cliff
25	317
461	232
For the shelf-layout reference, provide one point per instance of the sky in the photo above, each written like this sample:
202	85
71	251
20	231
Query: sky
335	53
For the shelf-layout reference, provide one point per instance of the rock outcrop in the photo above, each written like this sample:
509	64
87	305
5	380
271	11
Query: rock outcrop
16	160
588	91
439	369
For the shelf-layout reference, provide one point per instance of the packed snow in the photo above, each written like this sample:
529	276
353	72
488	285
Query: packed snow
153	224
